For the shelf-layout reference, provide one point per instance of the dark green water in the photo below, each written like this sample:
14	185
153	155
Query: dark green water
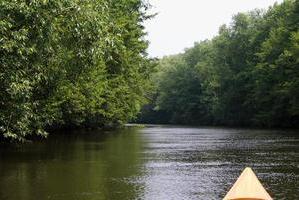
154	163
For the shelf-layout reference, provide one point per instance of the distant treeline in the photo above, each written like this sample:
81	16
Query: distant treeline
71	63
248	75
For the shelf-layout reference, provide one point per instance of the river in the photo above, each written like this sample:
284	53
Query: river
151	163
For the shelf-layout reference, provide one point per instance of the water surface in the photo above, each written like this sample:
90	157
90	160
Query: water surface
154	163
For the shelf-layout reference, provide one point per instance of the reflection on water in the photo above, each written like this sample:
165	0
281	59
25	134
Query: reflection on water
158	162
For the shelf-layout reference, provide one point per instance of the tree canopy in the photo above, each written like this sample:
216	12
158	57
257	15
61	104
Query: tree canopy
71	63
248	75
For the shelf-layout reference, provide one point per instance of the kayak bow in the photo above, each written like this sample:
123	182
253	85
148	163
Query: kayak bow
247	187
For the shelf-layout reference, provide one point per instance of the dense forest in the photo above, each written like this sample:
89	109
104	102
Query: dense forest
248	75
69	63
84	64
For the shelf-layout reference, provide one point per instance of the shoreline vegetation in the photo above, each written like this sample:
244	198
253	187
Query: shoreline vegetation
246	76
71	64
68	64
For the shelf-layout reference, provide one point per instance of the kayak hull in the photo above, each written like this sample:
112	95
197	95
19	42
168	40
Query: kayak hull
247	187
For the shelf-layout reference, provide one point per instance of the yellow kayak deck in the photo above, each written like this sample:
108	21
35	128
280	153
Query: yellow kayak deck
247	187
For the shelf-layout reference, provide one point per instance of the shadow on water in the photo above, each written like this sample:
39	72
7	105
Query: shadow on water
79	166
154	163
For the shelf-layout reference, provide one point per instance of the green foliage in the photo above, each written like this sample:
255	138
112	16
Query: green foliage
66	63
248	75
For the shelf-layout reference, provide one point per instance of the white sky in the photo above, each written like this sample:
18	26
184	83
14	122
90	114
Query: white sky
180	23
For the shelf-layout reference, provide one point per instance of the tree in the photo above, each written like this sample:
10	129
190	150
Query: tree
71	64
245	76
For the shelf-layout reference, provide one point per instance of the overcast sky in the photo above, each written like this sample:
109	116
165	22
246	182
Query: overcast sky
180	23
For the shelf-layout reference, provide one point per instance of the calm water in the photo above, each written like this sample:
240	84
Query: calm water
154	163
